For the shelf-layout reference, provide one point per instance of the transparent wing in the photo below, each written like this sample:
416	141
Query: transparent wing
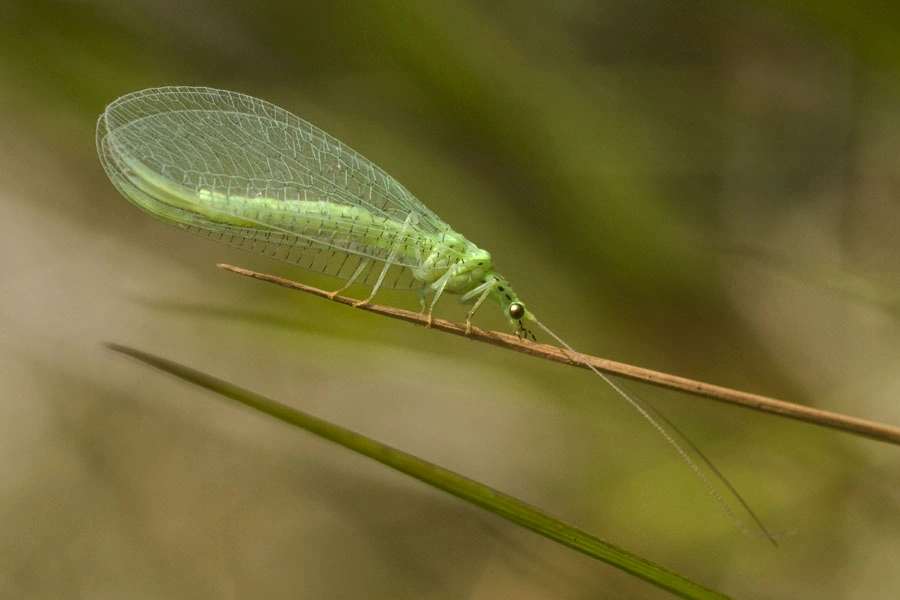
250	174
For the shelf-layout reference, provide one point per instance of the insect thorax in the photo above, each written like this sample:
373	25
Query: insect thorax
454	258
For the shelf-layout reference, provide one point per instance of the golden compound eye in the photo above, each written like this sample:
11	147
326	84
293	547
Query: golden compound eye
516	310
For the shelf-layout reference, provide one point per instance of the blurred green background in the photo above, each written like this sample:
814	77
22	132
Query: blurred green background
705	188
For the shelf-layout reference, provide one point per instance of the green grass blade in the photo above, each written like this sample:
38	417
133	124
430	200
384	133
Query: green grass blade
471	491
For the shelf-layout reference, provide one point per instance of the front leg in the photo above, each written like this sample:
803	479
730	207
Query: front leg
485	290
438	287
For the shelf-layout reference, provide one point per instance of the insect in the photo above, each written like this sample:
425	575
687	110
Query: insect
250	174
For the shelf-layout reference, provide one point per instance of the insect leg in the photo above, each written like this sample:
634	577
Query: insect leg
388	262
485	288
362	267
438	287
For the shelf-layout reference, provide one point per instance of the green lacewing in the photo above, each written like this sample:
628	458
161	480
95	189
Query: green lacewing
250	174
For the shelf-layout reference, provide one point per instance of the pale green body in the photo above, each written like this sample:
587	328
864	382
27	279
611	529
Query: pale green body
248	173
253	175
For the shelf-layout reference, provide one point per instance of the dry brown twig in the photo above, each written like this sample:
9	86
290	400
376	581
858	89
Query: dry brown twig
869	429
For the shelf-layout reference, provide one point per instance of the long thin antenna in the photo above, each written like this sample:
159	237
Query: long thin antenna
644	409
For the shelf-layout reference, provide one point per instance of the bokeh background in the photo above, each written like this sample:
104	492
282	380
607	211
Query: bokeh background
705	188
